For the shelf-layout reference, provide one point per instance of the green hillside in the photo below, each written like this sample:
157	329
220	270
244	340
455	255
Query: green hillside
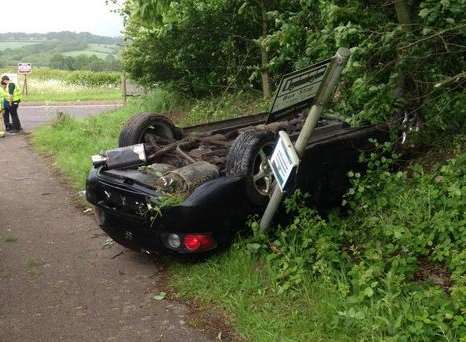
4	45
99	50
62	50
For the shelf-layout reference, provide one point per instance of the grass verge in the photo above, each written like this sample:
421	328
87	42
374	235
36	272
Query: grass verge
73	94
393	270
71	142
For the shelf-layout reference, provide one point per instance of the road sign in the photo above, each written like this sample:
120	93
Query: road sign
24	68
284	160
326	87
299	86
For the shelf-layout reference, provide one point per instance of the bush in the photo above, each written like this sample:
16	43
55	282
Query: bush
402	242
93	79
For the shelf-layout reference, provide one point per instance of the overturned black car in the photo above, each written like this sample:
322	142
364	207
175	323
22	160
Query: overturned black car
201	183
189	190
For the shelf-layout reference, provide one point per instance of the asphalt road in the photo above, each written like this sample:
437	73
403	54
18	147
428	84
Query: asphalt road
61	278
32	116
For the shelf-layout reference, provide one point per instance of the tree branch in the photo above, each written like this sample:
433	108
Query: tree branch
433	36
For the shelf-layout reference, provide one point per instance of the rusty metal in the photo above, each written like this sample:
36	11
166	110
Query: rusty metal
211	146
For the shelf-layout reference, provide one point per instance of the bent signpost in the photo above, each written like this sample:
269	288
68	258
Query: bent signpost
328	83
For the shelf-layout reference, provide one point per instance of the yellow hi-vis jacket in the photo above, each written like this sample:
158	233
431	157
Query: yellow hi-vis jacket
3	97
12	93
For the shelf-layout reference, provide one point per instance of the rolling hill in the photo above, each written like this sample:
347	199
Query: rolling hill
71	50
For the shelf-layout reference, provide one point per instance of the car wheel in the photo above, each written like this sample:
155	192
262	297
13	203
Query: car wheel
248	156
145	127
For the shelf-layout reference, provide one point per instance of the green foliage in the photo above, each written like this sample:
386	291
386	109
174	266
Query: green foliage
227	107
72	141
190	46
403	239
93	79
80	78
205	47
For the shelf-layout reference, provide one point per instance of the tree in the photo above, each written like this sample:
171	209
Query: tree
208	46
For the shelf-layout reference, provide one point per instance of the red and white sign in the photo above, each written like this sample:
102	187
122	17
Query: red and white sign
24	68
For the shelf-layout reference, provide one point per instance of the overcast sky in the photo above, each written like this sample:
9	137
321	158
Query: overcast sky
43	16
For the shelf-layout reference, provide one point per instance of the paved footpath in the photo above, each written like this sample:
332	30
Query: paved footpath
59	279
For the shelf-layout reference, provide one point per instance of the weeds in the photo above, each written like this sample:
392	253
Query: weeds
392	269
9	239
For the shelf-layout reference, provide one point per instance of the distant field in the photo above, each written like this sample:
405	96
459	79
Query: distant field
86	52
16	45
104	48
99	50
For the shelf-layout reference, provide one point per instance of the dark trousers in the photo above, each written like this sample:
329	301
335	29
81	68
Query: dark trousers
11	110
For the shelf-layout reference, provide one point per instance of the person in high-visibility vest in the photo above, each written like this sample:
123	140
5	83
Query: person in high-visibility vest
2	128
11	99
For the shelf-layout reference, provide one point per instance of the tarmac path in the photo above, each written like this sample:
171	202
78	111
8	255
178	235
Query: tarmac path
60	278
34	115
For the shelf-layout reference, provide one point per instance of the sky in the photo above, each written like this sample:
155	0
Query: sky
41	16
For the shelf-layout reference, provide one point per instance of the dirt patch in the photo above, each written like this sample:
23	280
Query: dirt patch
435	273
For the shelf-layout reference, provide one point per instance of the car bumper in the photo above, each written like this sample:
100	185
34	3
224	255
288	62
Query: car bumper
122	212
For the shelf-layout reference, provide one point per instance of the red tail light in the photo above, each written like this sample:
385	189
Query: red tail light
198	242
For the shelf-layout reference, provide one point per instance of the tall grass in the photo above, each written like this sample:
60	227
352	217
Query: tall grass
51	85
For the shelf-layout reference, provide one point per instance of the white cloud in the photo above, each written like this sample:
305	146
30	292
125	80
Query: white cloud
59	15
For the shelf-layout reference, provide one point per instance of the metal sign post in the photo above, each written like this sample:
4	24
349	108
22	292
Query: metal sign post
329	83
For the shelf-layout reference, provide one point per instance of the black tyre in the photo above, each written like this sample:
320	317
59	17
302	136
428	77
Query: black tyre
143	127
248	156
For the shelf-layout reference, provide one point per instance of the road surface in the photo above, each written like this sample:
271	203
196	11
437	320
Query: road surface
61	279
34	115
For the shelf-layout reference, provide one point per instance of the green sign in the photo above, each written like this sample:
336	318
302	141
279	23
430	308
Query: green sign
299	86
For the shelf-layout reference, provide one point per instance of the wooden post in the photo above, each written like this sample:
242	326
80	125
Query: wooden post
123	87
25	87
